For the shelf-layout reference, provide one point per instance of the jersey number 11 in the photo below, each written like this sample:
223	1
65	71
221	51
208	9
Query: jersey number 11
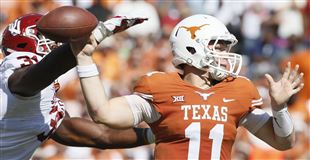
193	133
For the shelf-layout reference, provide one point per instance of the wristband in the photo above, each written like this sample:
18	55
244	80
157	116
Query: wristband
87	71
282	122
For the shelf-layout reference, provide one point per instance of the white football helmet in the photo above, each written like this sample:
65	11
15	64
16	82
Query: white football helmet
190	41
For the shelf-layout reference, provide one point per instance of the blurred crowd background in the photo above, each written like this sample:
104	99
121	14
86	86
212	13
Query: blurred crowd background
270	33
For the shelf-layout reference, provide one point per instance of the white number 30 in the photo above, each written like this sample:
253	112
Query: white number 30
193	133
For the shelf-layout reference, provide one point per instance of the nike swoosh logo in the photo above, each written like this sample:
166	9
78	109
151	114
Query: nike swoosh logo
228	100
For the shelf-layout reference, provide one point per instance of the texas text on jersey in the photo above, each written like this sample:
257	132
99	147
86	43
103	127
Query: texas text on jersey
203	119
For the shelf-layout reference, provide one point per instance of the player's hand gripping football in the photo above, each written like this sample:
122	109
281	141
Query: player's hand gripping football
83	45
281	91
115	25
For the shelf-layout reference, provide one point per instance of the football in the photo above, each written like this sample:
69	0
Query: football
67	23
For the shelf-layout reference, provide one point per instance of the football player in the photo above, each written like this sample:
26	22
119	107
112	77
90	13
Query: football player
30	111
195	114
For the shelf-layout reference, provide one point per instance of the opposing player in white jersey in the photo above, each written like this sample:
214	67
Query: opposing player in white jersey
30	112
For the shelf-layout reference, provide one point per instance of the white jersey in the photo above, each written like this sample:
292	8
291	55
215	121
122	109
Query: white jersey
25	122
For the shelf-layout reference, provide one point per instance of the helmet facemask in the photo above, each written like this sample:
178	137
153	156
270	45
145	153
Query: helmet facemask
23	36
44	45
220	64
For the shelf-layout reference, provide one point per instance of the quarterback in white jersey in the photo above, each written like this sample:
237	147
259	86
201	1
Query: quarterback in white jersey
30	112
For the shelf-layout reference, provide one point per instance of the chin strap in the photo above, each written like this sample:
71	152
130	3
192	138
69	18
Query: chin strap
217	74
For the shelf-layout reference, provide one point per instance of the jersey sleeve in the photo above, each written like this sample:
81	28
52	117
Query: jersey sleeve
252	97
142	110
143	88
151	88
15	61
18	60
257	100
249	99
